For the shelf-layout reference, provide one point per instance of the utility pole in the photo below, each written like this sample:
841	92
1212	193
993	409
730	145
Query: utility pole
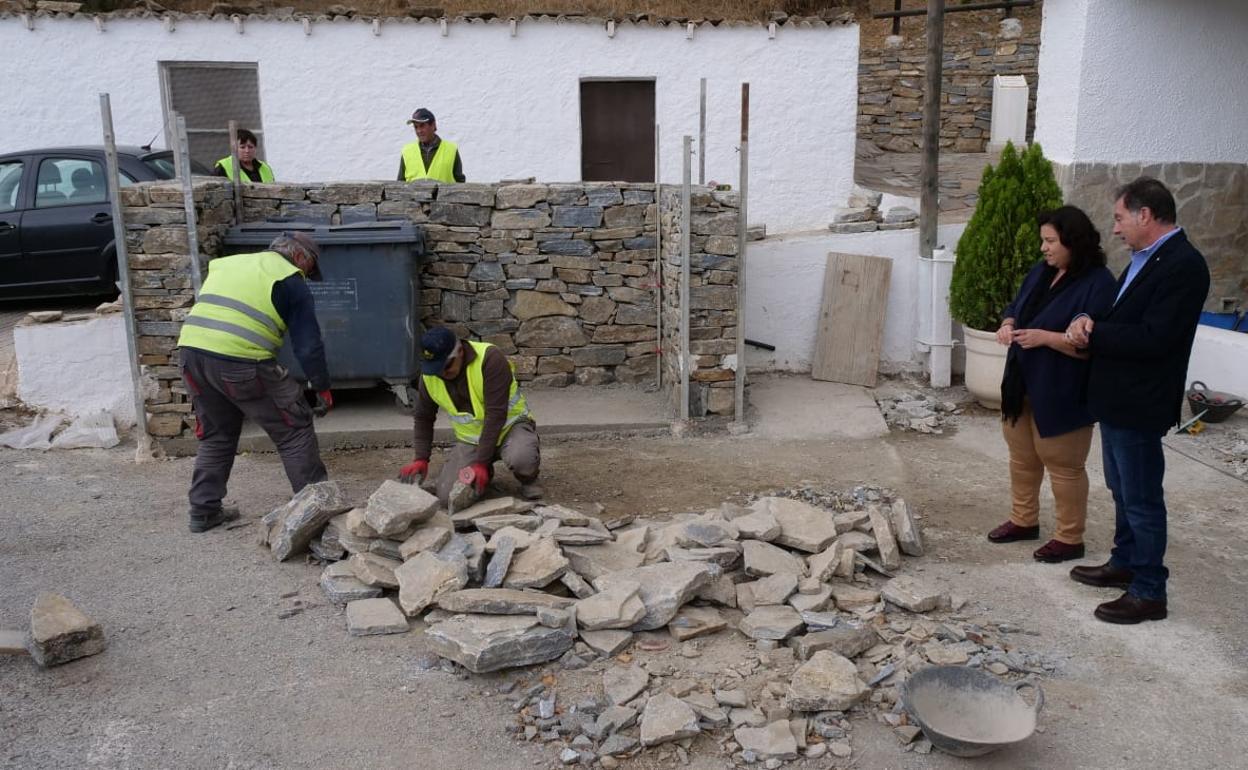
929	181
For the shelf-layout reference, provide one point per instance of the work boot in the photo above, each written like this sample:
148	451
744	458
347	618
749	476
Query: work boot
532	491
203	522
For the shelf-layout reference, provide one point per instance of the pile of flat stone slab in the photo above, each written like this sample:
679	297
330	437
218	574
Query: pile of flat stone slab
811	593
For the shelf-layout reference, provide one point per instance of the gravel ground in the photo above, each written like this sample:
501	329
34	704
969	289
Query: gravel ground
202	672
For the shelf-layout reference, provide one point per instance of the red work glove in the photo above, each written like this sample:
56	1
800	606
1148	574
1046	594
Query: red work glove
324	402
414	472
477	474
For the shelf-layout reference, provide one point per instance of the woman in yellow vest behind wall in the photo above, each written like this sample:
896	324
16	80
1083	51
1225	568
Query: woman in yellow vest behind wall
254	169
430	156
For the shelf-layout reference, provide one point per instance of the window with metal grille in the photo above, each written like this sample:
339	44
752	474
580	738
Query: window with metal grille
209	95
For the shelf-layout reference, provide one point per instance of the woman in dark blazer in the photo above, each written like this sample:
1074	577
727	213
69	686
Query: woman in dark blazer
1044	415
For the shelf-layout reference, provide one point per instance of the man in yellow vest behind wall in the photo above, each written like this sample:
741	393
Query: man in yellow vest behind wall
228	349
474	383
430	156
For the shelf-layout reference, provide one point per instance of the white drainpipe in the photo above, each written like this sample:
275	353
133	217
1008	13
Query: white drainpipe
935	335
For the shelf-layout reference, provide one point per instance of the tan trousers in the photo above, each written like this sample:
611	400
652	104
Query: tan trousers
1064	457
520	451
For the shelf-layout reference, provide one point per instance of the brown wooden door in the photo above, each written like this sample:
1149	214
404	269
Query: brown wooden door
617	130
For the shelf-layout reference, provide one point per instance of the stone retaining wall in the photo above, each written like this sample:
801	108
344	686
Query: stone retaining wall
1212	204
891	74
560	276
712	299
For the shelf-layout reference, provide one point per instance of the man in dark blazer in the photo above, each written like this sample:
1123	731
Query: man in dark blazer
1139	350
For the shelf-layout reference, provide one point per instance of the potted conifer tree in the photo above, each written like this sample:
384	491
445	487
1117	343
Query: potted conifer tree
1000	244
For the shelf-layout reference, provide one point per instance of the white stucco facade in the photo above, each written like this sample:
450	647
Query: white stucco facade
784	281
334	102
76	367
1143	81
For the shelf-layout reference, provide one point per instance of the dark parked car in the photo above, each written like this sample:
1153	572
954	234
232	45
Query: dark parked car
56	223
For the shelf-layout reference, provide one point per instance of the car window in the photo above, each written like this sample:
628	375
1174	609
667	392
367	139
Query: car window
161	165
10	184
69	181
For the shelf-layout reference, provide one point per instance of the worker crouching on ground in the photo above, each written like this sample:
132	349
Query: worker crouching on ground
229	347
474	383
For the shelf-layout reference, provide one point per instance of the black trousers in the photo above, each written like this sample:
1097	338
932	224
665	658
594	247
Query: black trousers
222	394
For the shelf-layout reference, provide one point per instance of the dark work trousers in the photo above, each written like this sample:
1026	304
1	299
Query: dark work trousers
222	394
520	450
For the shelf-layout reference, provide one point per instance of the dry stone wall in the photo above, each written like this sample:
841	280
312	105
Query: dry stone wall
712	299
560	276
891	74
1212	205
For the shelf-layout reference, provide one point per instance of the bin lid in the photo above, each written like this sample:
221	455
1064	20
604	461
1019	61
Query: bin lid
385	231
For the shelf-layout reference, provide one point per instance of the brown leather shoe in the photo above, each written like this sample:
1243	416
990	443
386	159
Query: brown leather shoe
1010	532
1102	575
1056	551
1128	610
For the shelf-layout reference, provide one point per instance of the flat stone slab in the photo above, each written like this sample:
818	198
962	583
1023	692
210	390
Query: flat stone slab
375	570
823	565
291	527
693	622
497	506
60	632
615	718
617	607
593	561
708	710
623	683
500	562
665	719
885	539
484	643
341	586
759	525
607	643
857	541
802	526
425	577
537	566
704	533
912	594
395	506
909	536
775	741
849	597
500	601
581	536
811	602
774	589
776	622
664	588
763	559
488	525
720	590
724	556
430	535
366	617
826	682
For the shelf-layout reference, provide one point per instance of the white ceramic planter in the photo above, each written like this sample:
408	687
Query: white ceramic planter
985	366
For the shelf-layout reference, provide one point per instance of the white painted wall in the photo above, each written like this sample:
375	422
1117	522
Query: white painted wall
1143	81
76	367
334	102
784	282
1220	360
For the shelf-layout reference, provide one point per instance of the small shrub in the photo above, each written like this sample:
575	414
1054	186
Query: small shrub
1002	241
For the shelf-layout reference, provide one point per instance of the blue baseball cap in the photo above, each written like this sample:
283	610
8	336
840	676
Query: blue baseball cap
436	346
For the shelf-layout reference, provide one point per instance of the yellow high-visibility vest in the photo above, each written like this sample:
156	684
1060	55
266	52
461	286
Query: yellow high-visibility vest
468	425
266	171
234	314
441	167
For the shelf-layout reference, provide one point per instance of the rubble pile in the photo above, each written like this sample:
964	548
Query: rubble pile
917	411
799	593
